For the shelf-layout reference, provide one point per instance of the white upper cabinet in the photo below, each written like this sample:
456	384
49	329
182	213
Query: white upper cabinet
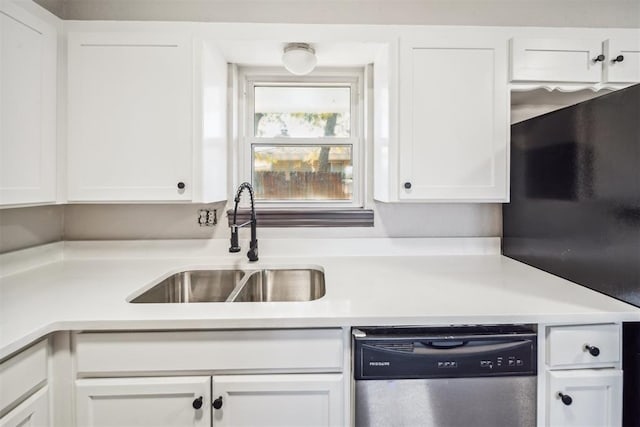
453	120
27	107
130	117
575	60
146	117
623	57
556	60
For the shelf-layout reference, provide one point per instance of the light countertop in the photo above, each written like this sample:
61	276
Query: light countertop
85	285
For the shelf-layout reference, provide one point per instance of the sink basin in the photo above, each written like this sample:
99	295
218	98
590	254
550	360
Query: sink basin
298	284
193	286
282	285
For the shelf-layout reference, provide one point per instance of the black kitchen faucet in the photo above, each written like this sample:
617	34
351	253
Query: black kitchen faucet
253	246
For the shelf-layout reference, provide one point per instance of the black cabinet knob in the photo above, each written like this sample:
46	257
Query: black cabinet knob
181	185
407	185
618	58
592	349
566	399
217	404
197	404
599	58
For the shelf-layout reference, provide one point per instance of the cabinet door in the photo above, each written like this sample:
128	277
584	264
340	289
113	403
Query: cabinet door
130	110
622	60
33	412
27	107
556	60
596	398
278	400
144	402
454	118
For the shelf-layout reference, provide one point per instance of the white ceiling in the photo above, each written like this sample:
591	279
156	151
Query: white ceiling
546	13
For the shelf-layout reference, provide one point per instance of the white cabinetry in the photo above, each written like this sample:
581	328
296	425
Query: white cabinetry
33	412
24	393
130	117
596	398
556	60
586	60
583	375
624	60
453	122
280	377
567	347
278	400
27	107
144	402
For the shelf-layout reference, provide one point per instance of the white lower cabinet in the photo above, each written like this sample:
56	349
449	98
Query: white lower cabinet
25	389
583	378
144	402
277	400
279	377
33	412
585	398
295	400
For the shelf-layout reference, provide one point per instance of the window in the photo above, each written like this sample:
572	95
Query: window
302	143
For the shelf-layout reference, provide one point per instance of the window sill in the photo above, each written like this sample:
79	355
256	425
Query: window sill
290	218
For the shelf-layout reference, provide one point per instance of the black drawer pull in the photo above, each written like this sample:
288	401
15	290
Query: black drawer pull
592	349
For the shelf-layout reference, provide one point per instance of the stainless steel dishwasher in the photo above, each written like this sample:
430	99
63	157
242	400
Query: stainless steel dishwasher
445	377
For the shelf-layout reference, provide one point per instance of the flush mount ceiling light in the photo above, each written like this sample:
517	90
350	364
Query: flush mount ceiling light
299	58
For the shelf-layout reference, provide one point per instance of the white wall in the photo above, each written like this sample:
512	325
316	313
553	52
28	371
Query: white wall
552	13
105	222
24	227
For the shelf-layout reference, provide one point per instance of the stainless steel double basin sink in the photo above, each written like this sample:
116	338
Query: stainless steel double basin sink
229	285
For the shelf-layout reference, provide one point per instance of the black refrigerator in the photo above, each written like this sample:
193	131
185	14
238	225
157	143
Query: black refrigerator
575	206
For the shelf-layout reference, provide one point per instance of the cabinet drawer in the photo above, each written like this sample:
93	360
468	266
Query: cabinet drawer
556	60
293	350
595	398
22	374
567	346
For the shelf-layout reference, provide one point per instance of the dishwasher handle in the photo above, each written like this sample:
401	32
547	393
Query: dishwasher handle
442	344
460	348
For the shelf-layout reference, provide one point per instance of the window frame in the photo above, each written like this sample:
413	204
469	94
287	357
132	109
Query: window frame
250	77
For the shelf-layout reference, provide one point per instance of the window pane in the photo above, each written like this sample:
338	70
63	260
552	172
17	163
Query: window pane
290	172
302	112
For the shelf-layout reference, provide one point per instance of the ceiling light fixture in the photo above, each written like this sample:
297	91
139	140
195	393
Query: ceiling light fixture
299	58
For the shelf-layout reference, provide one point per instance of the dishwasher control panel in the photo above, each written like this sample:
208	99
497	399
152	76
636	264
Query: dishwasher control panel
408	354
